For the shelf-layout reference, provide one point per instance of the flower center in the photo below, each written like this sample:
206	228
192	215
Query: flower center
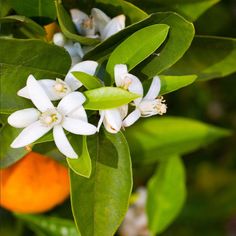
87	23
126	82
61	88
50	117
153	107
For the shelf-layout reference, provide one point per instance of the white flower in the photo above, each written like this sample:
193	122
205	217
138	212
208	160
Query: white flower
69	115
74	49
98	22
57	89
135	222
150	105
112	118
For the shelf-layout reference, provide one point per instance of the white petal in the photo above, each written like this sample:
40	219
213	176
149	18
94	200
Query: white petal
100	19
59	39
48	86
71	102
112	120
88	67
79	49
132	118
135	87
69	46
23	93
37	95
30	134
76	126
80	114
154	89
74	61
62	142
78	17
123	111
114	26
23	118
102	116
120	70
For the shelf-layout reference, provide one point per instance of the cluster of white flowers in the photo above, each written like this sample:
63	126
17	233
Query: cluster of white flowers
70	114
97	25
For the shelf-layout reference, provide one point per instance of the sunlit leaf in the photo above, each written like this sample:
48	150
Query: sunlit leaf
166	194
100	202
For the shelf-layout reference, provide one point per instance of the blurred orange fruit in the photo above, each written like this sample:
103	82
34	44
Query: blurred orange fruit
34	184
51	29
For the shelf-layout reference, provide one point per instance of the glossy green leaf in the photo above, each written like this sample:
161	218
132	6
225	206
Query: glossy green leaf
132	12
89	81
107	97
25	25
81	166
19	59
68	28
171	83
48	225
138	47
208	57
45	8
156	138
99	203
8	155
166	56
166	194
191	9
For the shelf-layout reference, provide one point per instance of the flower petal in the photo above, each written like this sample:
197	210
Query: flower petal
154	89
37	95
114	26
23	118
76	126
112	120
59	39
102	116
78	17
88	67
71	102
80	114
123	111
62	142
48	86
131	118
135	87
30	134
120	70
79	49
100	19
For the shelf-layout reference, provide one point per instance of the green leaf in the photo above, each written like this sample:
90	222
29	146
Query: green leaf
8	155
68	28
4	7
166	56
208	57
154	139
48	225
45	8
171	83
81	166
25	57
99	203
166	194
138	47
191	9
107	98
89	81
25	25
116	7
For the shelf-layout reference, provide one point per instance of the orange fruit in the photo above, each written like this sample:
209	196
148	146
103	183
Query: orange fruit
34	184
51	29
